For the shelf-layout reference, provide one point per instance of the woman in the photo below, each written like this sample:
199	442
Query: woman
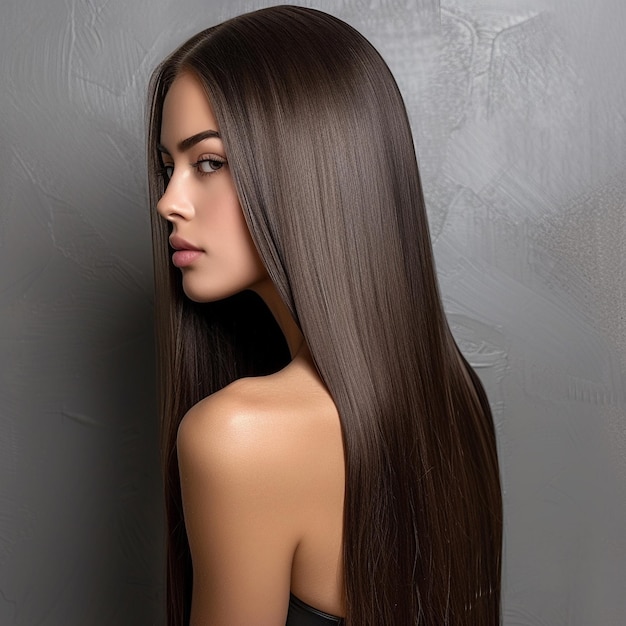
328	453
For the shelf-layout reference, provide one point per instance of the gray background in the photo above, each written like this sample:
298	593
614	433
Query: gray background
518	109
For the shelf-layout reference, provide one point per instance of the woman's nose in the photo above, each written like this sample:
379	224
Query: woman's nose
175	203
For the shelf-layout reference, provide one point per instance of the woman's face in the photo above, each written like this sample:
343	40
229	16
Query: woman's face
211	241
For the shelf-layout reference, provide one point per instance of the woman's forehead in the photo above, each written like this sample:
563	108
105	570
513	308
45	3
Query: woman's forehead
186	111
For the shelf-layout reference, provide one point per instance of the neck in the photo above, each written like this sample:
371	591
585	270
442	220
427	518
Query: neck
282	315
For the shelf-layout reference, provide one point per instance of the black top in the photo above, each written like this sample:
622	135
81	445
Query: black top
301	614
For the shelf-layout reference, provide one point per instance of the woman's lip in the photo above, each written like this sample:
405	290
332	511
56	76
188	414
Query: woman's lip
178	243
183	258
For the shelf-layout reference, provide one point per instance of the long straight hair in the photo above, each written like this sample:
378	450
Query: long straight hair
322	157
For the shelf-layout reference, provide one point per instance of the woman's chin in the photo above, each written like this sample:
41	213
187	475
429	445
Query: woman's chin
198	290
202	293
198	293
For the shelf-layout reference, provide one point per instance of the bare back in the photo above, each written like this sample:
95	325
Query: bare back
262	475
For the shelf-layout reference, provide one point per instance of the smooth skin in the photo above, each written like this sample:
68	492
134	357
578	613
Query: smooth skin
261	461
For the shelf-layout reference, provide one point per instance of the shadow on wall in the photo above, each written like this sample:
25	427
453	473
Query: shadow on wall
82	532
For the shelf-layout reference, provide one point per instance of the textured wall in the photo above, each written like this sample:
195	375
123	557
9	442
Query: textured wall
518	110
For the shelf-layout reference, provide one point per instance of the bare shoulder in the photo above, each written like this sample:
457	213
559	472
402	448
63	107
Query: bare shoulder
225	422
268	422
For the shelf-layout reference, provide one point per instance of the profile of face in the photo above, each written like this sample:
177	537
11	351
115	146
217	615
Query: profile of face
209	235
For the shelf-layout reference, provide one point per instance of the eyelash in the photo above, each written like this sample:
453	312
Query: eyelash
165	169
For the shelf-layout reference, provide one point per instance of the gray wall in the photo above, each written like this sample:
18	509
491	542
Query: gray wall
518	110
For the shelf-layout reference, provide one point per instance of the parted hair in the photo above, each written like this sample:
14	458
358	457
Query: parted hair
322	157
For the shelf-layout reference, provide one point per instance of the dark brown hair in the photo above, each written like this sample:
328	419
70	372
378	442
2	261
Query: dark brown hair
322	157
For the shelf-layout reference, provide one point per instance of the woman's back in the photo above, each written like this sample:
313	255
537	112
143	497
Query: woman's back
262	475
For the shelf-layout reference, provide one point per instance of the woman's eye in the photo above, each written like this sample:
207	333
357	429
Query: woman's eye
168	171
208	166
203	166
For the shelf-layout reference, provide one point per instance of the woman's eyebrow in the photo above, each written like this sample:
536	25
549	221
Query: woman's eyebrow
185	144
